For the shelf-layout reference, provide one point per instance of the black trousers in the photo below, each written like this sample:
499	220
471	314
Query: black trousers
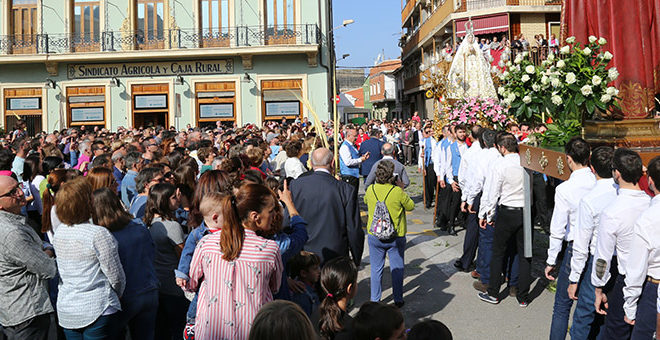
540	200
33	329
454	204
509	226
430	181
471	242
442	206
355	183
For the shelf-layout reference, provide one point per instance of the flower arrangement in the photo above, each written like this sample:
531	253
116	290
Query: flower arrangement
486	112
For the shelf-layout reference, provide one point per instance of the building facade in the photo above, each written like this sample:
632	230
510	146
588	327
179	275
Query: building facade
134	63
382	88
430	24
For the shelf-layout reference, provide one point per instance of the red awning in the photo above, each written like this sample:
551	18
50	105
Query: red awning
484	25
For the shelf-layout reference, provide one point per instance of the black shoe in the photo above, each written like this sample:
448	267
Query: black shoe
451	230
490	299
458	265
399	304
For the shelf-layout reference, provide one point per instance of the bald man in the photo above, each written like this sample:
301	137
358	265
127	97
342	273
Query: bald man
334	225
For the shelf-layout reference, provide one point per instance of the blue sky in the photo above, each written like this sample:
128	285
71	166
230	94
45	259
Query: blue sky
377	26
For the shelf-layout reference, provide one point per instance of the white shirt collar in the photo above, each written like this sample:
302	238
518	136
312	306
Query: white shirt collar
323	170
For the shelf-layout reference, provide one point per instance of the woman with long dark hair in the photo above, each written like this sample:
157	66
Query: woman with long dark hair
339	283
168	237
236	265
136	253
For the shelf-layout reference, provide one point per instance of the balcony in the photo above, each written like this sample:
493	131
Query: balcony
405	13
412	82
432	23
486	4
305	37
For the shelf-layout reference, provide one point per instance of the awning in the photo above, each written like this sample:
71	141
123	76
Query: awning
484	25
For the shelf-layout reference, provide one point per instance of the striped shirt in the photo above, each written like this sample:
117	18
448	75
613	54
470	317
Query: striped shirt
231	293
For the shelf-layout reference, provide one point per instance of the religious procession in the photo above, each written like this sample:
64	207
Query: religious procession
219	182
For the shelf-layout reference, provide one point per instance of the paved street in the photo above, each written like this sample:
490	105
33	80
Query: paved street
433	289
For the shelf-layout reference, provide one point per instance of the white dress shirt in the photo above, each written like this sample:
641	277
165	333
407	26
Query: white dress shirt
438	157
615	233
586	228
645	255
293	167
449	171
504	184
345	155
484	161
464	171
564	215
422	157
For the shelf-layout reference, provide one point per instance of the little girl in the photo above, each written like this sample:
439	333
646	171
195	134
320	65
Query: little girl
339	283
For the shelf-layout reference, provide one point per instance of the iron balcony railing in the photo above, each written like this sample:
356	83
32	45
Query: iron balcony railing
109	41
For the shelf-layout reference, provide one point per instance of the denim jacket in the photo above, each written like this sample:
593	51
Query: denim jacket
188	249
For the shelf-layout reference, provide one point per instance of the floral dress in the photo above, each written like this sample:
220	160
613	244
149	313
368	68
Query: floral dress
232	292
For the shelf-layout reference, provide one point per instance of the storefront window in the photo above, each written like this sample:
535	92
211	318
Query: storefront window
86	106
215	101
23	104
280	99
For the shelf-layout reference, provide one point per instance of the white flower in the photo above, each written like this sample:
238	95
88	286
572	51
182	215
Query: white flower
508	63
605	98
602	41
512	96
500	91
518	59
505	74
555	82
536	87
494	69
556	100
592	39
561	64
607	55
570	78
596	80
422	67
525	78
551	56
529	69
501	63
525	54
545	80
527	99
613	73
586	51
565	49
570	40
586	90
612	91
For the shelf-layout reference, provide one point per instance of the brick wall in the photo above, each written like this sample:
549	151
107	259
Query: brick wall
532	24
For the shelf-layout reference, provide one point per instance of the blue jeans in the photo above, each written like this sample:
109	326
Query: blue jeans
139	314
586	322
562	308
485	253
103	328
615	327
646	318
192	311
377	251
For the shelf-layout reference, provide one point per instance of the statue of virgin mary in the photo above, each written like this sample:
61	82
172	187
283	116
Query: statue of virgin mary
469	74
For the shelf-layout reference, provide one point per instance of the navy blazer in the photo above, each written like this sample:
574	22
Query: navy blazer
333	217
371	145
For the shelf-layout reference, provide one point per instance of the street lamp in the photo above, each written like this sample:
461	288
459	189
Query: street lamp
335	127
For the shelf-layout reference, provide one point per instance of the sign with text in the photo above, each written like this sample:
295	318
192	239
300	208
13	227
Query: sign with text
224	110
24	103
86	71
87	114
150	101
283	108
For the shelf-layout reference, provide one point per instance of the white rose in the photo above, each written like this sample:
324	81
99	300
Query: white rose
596	80
561	64
602	41
607	55
556	100
500	91
570	40
551	56
555	82
525	54
565	49
605	98
586	51
529	69
505	74
586	90
508	63
592	39
545	80
518	59
512	96
527	99
570	77
536	87
524	78
613	73
611	91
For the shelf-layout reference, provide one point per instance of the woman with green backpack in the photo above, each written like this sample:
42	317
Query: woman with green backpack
387	228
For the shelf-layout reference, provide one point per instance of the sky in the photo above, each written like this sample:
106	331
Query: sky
377	26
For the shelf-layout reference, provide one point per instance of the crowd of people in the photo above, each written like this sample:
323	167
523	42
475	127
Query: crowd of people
250	232
217	233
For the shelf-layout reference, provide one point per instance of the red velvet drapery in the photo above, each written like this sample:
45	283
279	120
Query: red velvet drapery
632	30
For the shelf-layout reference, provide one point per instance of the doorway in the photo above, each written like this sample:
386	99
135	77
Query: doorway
150	105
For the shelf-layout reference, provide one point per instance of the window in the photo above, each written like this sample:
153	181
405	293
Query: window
150	104
86	25
280	21
150	31
23	104
24	26
280	99
215	23
86	106
215	102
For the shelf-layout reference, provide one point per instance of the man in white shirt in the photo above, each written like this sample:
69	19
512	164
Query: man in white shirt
615	233
562	229
505	191
425	163
350	160
442	196
452	167
643	272
586	322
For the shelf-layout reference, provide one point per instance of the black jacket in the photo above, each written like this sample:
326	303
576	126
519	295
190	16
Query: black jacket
333	219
